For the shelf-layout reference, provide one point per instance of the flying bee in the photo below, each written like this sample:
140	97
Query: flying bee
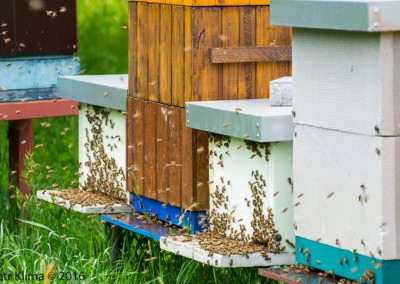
237	110
330	194
226	124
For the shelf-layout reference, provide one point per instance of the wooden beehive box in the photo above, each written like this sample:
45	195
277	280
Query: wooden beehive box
37	27
169	50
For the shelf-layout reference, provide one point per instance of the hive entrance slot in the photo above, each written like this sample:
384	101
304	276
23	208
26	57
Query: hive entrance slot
293	275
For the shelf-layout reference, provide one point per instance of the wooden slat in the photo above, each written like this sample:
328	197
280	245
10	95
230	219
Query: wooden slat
280	36
262	39
165	54
137	116
188	150
206	34
188	49
162	142
130	134
142	51
174	156
37	109
230	37
202	168
153	25
132	58
251	54
209	2
150	150
247	71
178	56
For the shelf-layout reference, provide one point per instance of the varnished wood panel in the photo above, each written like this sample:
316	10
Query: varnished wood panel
150	150
200	3
247	71
188	148
206	34
31	29
169	160
130	136
162	142
166	53
230	37
142	51
178	56
185	70
174	156
132	42
153	52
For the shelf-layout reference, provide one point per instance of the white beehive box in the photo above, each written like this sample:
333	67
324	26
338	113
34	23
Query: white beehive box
347	185
250	156
102	142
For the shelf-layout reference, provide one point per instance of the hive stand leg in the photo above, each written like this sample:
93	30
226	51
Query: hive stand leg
115	237
20	137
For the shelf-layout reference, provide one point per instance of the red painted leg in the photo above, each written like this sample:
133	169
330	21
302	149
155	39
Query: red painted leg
20	137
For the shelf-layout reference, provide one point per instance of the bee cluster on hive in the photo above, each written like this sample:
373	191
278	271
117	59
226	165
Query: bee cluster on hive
102	167
241	221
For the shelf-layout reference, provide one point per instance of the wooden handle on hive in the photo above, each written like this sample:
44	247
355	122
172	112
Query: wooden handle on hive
251	54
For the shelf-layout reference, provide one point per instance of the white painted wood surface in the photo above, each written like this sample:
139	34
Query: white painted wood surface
118	153
363	173
281	92
48	195
347	81
193	251
237	168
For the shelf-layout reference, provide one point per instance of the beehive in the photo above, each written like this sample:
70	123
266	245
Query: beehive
251	203
54	30
346	142
102	145
169	50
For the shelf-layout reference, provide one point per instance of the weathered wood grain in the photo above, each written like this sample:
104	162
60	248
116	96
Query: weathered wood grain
137	144
130	150
132	52
178	56
150	150
162	141
166	53
206	30
174	156
251	54
142	51
188	152
229	38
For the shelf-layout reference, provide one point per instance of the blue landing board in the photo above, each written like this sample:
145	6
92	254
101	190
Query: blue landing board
132	223
326	258
169	213
28	95
19	73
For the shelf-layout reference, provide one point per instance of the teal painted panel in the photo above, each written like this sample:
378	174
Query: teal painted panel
339	15
101	90
327	258
20	73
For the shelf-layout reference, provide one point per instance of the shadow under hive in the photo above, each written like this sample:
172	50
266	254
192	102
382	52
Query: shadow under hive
170	64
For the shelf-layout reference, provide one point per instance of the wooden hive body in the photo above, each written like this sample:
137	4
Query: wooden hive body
170	64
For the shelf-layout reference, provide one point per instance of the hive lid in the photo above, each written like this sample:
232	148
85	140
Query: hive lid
101	90
352	15
253	120
207	2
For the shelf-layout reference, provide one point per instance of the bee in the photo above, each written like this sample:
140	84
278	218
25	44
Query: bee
17	112
290	181
300	195
252	156
337	242
246	136
7	40
297	204
226	124
362	242
19	68
330	194
23	142
318	240
237	110
346	260
340	261
371	254
318	261
238	147
276	193
106	94
231	263
284	210
63	9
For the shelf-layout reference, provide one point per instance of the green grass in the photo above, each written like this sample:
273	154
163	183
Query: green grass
34	234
